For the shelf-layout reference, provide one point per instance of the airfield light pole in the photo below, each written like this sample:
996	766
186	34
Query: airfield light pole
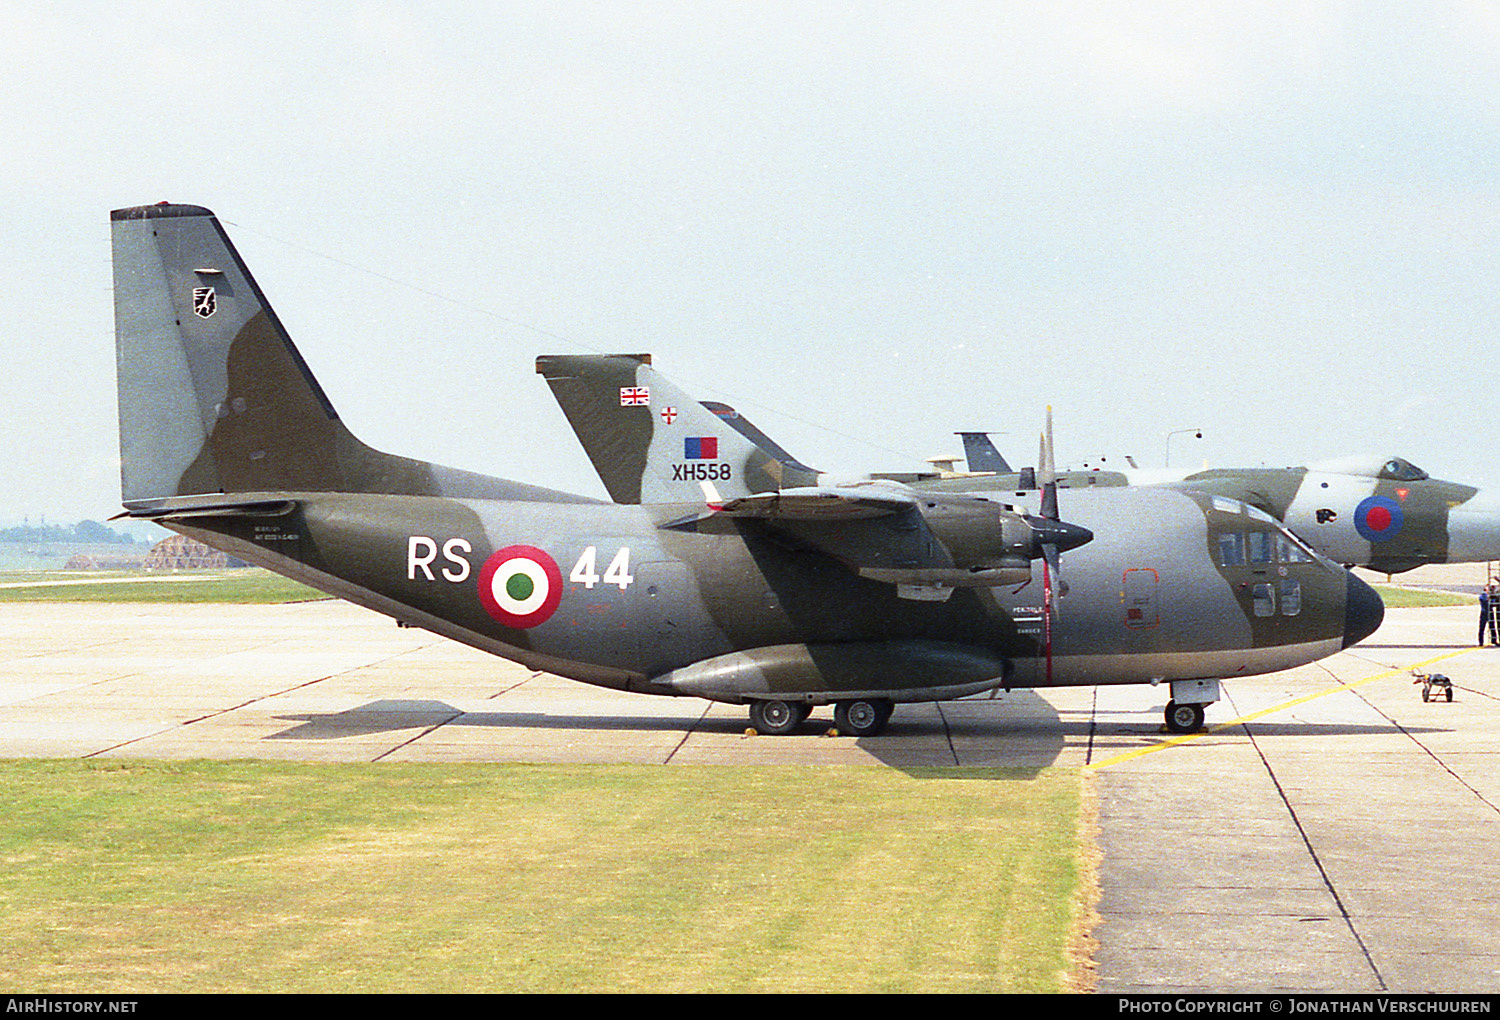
1197	434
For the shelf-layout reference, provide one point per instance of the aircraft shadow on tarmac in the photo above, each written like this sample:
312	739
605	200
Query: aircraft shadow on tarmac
389	716
1021	730
1020	723
1261	728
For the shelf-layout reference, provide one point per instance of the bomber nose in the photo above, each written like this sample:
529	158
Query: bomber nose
1363	610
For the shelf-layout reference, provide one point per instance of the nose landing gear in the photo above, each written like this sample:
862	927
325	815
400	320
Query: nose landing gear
1184	718
1189	700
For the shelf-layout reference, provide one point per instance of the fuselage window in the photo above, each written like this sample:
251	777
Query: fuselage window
1291	597
1265	600
1231	549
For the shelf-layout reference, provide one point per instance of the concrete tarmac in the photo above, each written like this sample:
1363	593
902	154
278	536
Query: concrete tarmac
1329	831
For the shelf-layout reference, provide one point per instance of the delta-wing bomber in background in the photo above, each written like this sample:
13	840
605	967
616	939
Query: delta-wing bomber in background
857	596
1386	514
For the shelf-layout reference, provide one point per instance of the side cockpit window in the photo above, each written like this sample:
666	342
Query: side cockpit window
1260	547
1289	550
1231	549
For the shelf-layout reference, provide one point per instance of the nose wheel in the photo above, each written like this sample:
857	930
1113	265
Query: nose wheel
1184	717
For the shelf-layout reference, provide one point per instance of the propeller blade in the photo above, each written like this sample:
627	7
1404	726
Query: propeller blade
1052	557
1047	465
1047	612
1047	472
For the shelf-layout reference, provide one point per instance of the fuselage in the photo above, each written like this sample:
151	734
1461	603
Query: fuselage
604	594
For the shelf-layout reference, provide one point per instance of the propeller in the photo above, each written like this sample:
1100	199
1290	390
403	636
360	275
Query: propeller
1054	536
1051	533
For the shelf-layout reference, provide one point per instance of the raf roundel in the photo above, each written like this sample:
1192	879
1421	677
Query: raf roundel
520	586
1378	518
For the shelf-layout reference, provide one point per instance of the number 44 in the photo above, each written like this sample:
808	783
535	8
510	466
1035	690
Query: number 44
618	573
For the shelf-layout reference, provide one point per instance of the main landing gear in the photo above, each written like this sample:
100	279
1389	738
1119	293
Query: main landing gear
865	717
778	718
860	717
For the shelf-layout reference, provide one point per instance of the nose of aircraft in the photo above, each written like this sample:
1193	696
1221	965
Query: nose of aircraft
1474	529
1363	610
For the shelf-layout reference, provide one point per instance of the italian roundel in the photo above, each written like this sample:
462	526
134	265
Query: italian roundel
520	586
1378	518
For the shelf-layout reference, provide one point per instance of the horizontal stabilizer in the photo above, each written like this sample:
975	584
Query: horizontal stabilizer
180	508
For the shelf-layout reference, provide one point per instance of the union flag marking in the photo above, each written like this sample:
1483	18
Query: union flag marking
635	396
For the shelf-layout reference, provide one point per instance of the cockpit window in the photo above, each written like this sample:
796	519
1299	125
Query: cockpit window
1398	470
1260	546
1231	549
1289	550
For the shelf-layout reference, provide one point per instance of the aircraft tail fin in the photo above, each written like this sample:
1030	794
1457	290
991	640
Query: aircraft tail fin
214	397
981	455
651	442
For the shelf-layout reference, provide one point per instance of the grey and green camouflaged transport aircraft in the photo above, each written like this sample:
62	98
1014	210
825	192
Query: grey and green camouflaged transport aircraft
860	596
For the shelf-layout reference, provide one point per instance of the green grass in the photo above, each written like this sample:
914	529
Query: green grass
250	584
257	876
1413	598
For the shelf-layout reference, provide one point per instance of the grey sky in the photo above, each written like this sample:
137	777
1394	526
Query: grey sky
866	225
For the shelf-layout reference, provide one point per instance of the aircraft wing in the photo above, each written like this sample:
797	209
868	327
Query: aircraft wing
924	543
820	503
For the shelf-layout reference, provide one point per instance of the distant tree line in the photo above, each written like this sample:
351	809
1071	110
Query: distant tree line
84	531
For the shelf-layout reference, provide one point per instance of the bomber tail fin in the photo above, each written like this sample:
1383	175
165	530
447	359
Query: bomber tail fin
981	455
651	442
214	397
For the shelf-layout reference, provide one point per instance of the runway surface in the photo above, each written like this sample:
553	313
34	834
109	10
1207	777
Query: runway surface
1330	831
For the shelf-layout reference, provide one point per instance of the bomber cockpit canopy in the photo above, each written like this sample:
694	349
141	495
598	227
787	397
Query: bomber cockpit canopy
1399	470
1394	469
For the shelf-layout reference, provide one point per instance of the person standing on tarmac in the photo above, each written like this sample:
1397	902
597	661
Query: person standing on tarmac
1489	605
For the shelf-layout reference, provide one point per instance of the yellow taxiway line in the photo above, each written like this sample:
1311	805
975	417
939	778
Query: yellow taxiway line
1187	737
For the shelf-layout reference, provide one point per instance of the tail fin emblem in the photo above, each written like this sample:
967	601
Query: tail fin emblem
205	302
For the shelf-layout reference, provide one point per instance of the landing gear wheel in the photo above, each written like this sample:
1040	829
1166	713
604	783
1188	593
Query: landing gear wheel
865	717
1184	718
778	718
